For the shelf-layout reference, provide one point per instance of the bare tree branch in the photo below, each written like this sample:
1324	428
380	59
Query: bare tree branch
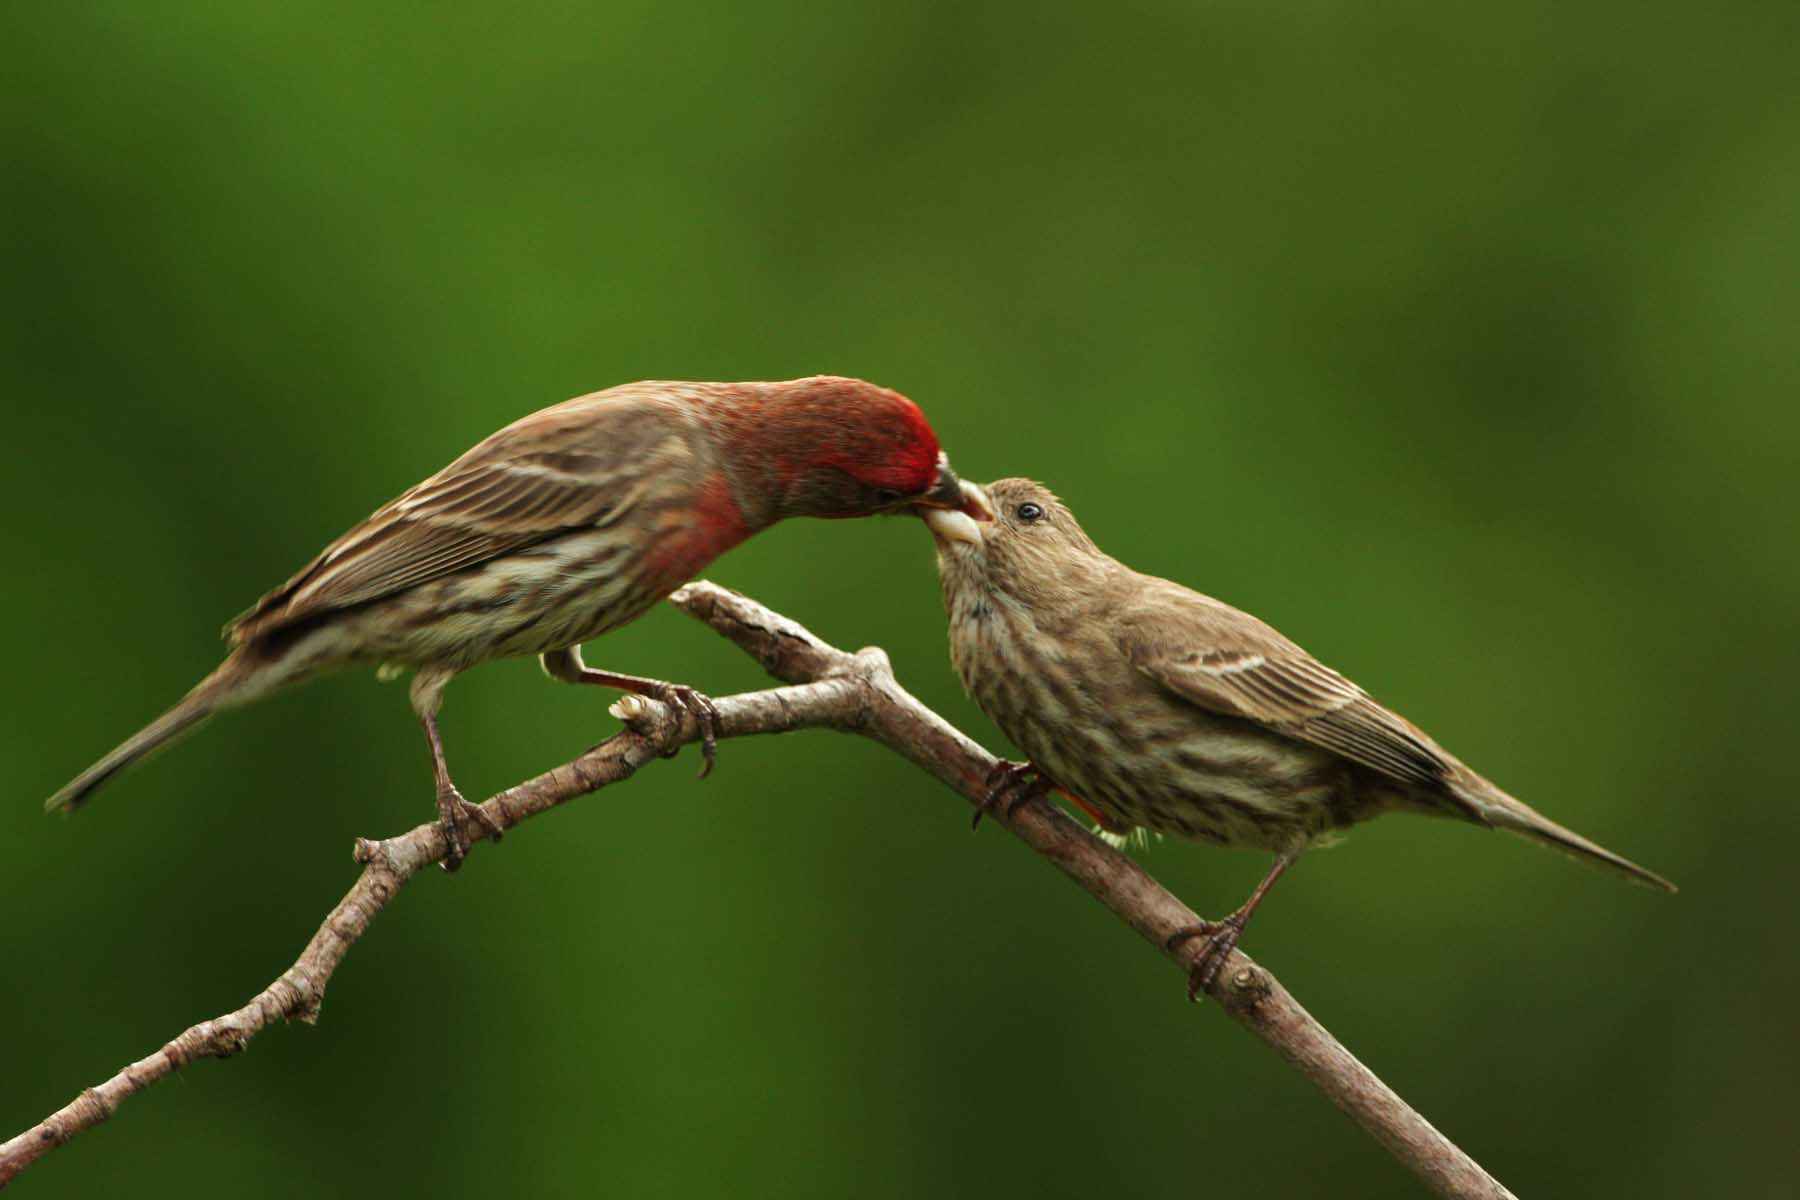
831	689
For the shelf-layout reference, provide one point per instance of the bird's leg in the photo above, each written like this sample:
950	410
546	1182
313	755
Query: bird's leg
1222	936
1111	825
427	698
1009	786
567	666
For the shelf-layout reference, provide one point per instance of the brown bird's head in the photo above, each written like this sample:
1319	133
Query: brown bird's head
834	447
1014	536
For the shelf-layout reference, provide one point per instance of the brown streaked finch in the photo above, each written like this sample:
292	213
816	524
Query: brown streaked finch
1155	707
566	524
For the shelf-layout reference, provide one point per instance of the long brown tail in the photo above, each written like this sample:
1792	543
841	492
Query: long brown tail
1514	816
231	684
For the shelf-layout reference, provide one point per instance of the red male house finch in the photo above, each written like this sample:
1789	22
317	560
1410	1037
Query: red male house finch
560	527
1156	707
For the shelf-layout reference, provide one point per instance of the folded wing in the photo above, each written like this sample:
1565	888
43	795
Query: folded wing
528	483
1230	663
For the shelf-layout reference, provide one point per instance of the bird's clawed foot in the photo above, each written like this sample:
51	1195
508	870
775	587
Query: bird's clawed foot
453	810
1011	785
1222	939
682	698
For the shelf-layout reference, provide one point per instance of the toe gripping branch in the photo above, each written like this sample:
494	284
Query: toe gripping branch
1222	936
1010	786
1222	939
453	811
685	699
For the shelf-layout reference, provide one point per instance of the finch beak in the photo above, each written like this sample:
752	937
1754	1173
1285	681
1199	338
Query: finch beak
947	491
961	522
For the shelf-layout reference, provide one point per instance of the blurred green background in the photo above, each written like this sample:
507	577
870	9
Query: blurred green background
1459	344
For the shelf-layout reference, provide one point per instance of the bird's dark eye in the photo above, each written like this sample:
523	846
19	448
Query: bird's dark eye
886	496
1028	512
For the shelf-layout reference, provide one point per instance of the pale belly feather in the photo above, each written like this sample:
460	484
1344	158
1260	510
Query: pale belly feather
558	594
1151	760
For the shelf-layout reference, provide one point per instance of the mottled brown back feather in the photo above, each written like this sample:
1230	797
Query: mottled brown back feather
1229	662
581	464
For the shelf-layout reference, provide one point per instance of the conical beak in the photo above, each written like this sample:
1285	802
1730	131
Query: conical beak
974	503
946	492
952	493
962	521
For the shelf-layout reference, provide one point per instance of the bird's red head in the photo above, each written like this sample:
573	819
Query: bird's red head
834	447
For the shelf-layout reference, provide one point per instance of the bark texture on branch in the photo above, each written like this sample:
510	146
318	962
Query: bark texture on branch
833	689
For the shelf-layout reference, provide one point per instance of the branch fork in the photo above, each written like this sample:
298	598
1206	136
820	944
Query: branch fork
826	688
